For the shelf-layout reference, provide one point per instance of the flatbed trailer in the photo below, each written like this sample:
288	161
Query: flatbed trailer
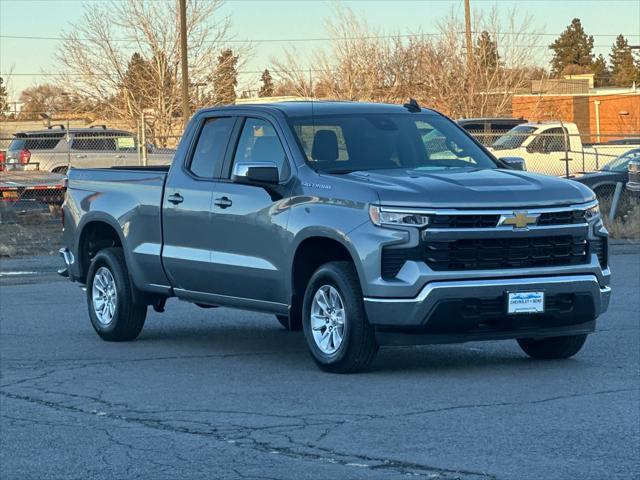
32	186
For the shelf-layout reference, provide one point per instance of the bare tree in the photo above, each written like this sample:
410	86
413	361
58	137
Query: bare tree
365	64
44	99
99	63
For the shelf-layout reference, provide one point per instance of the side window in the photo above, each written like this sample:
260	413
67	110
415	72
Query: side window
259	142
92	141
555	140
212	143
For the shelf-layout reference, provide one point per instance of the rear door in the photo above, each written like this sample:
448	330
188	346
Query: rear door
188	231
93	150
250	220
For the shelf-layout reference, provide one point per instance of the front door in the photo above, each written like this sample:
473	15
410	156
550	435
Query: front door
251	220
187	228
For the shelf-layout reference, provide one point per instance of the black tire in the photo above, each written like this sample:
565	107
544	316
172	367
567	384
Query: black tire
553	347
293	327
358	347
128	318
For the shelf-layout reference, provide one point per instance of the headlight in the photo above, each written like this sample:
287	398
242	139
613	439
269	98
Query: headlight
592	212
381	216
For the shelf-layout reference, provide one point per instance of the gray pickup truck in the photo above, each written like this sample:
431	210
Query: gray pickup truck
362	224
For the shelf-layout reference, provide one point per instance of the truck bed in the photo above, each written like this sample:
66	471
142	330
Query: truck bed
130	200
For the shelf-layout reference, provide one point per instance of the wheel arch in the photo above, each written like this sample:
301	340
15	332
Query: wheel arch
96	232
311	250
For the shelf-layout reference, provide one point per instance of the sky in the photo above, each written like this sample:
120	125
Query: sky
297	19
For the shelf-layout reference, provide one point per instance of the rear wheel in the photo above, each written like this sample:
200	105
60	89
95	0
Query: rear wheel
113	314
553	347
338	334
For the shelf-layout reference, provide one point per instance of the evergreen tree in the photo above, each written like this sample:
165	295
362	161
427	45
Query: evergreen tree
4	102
601	71
225	78
487	51
267	88
623	68
572	47
138	80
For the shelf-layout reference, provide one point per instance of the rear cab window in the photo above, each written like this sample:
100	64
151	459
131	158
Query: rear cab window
208	154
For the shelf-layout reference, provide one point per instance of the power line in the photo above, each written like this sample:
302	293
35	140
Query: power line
325	39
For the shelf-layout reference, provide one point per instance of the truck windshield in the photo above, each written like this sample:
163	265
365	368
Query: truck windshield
346	143
513	138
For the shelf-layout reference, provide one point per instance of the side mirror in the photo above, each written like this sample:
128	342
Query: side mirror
516	163
255	172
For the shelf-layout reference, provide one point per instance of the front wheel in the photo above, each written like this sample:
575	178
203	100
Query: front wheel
334	321
114	315
553	347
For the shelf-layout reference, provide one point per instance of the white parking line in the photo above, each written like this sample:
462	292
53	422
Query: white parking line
8	274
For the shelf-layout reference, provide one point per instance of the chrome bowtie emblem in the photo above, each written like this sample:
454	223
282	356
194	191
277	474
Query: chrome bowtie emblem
520	220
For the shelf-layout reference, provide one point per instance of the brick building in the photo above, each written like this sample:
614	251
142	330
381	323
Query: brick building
601	113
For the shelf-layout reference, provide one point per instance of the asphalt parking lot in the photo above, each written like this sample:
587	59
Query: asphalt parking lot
217	393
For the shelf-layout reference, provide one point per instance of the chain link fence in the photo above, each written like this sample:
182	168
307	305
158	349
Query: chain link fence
33	165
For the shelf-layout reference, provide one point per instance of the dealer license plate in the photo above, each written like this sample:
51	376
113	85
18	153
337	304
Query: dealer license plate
525	302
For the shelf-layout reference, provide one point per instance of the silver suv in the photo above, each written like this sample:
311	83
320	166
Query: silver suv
56	149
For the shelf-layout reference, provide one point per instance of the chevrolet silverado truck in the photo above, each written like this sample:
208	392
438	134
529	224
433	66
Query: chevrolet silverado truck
361	224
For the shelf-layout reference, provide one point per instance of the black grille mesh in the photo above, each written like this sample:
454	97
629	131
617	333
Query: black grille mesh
494	253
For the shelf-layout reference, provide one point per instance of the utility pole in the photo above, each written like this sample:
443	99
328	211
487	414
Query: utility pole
467	24
184	61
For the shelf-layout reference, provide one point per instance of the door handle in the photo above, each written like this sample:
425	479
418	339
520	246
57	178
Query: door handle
119	156
81	156
223	202
176	198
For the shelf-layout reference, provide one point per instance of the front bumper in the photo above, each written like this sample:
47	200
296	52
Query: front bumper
460	310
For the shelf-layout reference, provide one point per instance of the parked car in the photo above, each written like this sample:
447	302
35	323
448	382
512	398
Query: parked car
604	181
488	130
545	145
55	149
342	219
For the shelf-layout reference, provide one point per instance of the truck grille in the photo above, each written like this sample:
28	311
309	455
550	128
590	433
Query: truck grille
566	217
494	253
463	221
563	217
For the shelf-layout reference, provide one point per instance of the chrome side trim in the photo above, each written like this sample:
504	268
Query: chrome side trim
494	211
509	282
508	228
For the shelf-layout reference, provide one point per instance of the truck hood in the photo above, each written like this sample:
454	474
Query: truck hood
471	188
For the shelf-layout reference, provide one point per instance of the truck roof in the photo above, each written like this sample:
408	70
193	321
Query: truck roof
464	121
306	108
547	123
